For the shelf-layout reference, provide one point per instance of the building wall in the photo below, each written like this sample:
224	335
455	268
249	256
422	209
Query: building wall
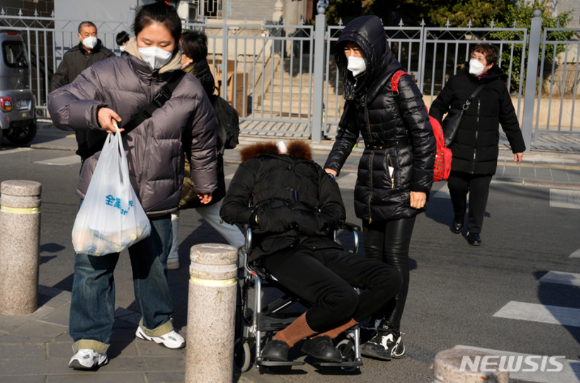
251	9
574	7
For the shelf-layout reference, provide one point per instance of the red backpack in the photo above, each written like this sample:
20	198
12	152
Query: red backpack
443	155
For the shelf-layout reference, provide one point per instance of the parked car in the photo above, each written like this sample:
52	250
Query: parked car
17	103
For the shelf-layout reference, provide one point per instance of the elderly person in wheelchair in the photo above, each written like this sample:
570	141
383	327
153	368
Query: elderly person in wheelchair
293	207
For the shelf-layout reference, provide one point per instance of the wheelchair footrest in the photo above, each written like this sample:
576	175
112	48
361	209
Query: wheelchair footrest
271	363
339	364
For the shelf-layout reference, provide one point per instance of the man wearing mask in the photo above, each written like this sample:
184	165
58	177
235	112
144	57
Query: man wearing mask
89	51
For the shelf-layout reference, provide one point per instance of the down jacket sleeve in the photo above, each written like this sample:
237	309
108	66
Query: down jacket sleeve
75	106
345	140
509	123
416	120
440	106
203	158
235	207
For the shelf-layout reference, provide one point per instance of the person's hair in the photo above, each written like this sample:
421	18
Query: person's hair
159	12
489	51
122	37
86	23
194	45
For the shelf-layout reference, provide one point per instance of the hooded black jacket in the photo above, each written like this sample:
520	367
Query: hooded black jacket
398	123
475	147
294	199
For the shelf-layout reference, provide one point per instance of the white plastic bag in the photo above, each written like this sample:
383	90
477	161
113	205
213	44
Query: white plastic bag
110	218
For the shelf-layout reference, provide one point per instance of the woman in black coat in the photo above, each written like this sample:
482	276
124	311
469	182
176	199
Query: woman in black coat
295	207
475	147
395	172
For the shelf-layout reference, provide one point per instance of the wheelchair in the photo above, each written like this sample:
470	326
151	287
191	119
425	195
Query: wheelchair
263	319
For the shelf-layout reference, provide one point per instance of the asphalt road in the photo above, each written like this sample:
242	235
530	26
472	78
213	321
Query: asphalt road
455	288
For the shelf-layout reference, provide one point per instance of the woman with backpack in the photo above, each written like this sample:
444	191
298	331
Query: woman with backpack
193	60
395	172
475	146
118	91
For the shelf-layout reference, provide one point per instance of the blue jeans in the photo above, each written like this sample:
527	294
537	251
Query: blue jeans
92	311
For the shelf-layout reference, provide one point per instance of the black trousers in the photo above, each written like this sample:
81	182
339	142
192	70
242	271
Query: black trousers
326	277
388	242
477	185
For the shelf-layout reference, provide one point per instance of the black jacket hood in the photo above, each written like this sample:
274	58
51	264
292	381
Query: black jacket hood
368	32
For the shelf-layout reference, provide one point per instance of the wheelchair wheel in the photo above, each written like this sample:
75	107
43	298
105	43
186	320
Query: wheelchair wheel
242	355
346	348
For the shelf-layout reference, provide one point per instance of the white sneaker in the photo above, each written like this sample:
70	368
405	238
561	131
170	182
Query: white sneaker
173	263
87	359
170	340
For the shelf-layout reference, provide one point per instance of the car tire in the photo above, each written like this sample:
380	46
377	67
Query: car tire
24	135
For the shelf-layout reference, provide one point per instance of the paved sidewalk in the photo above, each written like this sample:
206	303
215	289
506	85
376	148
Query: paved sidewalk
37	348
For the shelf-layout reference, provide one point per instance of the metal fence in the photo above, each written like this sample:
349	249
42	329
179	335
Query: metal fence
283	80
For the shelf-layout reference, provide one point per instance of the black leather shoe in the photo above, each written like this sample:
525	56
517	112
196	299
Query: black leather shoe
456	226
474	239
276	350
322	348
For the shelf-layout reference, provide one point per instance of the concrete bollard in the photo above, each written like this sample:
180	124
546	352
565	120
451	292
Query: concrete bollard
450	367
19	246
211	314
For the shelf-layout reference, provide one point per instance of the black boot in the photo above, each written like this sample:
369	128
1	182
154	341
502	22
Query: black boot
276	350
322	348
386	344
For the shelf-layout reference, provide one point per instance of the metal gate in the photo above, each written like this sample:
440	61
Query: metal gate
283	81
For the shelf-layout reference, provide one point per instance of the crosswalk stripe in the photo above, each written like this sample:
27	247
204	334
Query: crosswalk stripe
561	278
229	176
61	161
569	199
575	254
346	181
13	151
567	375
534	312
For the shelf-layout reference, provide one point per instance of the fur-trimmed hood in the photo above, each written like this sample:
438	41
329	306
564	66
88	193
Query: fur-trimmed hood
296	149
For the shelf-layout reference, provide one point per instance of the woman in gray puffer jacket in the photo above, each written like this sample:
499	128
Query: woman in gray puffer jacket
395	172
114	90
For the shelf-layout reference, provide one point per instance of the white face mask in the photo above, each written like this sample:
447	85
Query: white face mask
155	57
356	65
122	48
89	42
475	67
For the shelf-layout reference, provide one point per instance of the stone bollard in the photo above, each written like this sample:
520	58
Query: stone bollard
451	367
211	314
19	246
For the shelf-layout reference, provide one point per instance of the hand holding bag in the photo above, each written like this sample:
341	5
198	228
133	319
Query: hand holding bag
110	218
451	122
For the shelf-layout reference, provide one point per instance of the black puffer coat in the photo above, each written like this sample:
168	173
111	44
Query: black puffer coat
400	125
475	147
293	198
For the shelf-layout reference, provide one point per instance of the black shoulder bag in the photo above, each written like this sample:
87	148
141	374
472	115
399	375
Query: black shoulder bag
137	119
451	122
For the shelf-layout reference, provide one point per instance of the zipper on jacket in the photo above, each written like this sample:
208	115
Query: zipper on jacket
372	160
390	165
476	132
147	134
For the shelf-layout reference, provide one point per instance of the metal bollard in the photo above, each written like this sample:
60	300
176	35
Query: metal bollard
450	367
211	314
19	246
